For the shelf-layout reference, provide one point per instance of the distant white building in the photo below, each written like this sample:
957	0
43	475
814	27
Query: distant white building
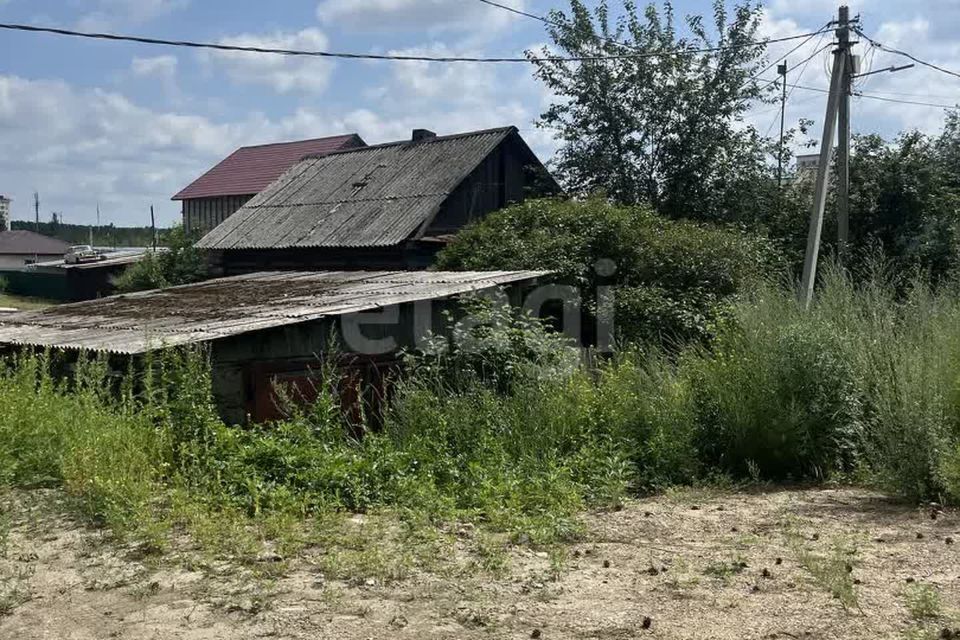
808	163
4	213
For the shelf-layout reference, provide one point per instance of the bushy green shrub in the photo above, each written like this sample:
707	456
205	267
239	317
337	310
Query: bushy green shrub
495	345
178	263
669	275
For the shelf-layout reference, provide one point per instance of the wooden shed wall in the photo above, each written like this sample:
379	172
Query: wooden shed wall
246	366
500	180
203	214
411	256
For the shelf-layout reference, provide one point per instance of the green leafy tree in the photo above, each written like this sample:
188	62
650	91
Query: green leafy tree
103	235
666	130
180	263
905	201
672	279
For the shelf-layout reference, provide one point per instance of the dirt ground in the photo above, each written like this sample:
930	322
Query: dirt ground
842	563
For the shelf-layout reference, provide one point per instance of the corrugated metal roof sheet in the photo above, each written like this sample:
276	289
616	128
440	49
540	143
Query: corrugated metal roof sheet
250	170
25	242
139	322
367	197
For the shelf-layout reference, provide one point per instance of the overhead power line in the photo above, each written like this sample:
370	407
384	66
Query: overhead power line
910	56
372	56
803	69
520	12
795	49
803	63
874	96
895	100
929	96
552	23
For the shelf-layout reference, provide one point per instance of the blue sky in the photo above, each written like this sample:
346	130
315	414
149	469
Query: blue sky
128	125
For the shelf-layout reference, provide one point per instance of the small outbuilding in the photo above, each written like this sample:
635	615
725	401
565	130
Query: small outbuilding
268	329
21	248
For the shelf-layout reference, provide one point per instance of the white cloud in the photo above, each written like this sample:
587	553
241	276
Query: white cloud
164	67
821	8
83	146
284	74
427	81
919	84
109	14
425	15
908	30
80	146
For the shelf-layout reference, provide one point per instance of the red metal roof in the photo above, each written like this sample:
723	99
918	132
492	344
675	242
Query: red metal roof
250	170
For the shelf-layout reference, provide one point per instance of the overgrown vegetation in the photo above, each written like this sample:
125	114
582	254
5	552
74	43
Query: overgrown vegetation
673	280
690	153
180	263
905	199
863	383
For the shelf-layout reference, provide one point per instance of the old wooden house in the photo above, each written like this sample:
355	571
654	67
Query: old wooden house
387	206
217	194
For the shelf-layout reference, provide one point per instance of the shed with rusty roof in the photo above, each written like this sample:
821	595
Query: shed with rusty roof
267	327
385	206
218	193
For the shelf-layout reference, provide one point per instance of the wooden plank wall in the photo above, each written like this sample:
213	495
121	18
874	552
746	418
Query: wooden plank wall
203	214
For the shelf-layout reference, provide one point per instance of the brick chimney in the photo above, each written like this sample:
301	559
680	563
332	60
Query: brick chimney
419	135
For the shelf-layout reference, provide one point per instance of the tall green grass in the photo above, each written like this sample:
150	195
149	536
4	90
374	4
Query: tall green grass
865	380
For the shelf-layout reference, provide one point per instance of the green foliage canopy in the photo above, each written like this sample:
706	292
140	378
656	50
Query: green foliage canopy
670	276
666	130
905	199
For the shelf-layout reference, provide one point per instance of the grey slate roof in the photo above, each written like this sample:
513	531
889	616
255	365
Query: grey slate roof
139	322
369	197
24	242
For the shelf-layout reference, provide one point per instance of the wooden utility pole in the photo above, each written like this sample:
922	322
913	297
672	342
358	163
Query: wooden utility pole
837	89
36	210
782	71
843	146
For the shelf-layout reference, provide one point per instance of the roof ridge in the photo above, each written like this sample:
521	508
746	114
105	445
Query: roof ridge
250	169
290	142
32	232
397	143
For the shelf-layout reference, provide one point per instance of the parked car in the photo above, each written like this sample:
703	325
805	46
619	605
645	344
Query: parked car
81	253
